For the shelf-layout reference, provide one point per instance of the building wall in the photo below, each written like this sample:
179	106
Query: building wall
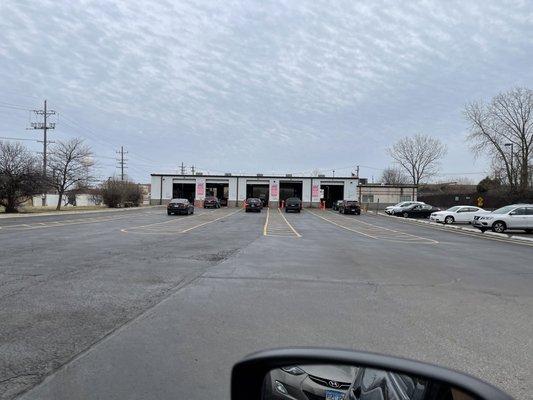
237	187
386	195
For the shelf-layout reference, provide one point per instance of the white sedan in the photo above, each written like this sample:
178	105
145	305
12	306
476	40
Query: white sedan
456	214
392	209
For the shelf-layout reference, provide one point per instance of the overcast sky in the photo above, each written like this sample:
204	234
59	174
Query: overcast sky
259	86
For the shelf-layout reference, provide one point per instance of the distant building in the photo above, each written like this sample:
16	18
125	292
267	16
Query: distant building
274	189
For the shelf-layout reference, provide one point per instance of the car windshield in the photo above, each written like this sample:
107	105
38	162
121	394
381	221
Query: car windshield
504	210
184	183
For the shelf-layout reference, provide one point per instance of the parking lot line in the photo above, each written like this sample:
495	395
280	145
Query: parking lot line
57	224
341	226
266	223
210	222
277	225
394	232
290	226
471	234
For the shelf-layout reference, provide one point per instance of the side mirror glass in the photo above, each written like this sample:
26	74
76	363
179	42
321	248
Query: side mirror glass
323	374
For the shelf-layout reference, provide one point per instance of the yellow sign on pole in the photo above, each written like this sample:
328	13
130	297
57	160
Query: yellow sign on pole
480	201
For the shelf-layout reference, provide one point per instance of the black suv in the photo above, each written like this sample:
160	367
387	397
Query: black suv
293	204
349	207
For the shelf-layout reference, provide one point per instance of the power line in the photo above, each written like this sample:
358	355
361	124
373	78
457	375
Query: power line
14	138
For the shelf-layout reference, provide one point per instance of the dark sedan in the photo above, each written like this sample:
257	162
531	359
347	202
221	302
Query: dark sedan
309	382
211	202
180	206
293	204
416	211
349	207
253	204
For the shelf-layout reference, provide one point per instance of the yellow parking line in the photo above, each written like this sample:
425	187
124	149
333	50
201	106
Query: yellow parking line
290	226
210	222
265	227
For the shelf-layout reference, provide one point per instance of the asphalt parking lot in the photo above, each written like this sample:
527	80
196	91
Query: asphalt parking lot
137	304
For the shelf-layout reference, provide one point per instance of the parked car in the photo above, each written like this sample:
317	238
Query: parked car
336	204
392	209
253	204
416	211
350	207
293	204
211	202
309	382
516	216
456	214
224	201
180	206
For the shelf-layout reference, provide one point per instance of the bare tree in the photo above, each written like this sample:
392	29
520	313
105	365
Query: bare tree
419	156
394	176
20	175
503	129
70	163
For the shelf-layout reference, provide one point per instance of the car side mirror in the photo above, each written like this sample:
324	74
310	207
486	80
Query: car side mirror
303	373
512	213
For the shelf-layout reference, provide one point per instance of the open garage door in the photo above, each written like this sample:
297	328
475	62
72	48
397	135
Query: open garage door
219	190
332	193
258	190
184	191
289	189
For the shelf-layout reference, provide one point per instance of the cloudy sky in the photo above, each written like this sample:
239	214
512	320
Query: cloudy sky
259	86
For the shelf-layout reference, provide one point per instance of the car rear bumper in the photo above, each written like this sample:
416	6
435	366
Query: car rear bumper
293	208
178	210
352	211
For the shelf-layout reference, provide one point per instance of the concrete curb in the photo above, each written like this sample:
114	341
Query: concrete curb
460	228
46	214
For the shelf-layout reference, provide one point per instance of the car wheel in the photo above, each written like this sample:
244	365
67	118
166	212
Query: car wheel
449	220
529	230
405	215
499	227
169	213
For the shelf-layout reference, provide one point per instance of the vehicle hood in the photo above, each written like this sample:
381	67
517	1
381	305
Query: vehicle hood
338	373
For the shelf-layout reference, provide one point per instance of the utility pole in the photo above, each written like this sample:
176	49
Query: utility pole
357	171
44	126
122	161
182	168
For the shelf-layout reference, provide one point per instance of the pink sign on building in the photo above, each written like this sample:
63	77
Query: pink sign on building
315	191
274	190
200	188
